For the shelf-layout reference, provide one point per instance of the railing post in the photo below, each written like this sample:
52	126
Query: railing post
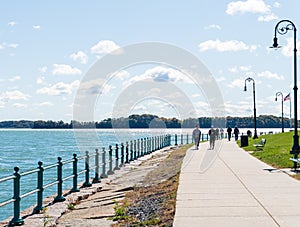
142	147
187	138
110	171
134	148
39	205
176	143
103	175
181	138
131	151
117	158
16	219
149	141
87	170
122	154
145	146
59	197
127	153
75	178
97	178
138	148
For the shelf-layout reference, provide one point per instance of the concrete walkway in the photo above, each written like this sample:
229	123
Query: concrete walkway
228	187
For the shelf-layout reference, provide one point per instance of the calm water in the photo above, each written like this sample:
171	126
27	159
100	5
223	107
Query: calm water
24	148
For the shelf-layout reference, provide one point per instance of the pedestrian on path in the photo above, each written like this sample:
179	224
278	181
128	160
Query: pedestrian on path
236	133
196	136
212	138
229	130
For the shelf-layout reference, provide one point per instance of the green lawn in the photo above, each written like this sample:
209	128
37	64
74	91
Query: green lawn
276	151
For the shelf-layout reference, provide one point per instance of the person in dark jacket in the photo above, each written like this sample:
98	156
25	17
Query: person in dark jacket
196	136
229	130
236	133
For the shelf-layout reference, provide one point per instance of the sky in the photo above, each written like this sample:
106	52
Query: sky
48	48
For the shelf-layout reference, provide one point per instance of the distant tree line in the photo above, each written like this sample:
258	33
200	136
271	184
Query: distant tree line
152	121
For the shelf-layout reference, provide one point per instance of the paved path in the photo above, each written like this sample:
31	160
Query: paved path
228	187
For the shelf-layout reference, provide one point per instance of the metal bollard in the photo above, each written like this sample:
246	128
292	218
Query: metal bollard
138	148
117	158
131	151
96	178
40	188
59	197
16	219
122	154
87	170
110	171
103	175
134	150
127	153
142	147
75	178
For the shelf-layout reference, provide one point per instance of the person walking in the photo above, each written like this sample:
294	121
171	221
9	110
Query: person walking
212	138
236	133
196	136
229	130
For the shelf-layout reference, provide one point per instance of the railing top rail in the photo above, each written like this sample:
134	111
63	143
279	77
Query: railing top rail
29	172
7	178
50	166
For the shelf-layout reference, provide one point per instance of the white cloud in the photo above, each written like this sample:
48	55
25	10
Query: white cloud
249	6
95	87
36	27
20	105
46	104
13	95
220	79
1	46
104	47
268	75
161	74
245	67
233	69
240	83
12	23
288	49
61	69
60	88
276	5
121	75
13	45
232	45
80	57
213	26
15	78
268	17
40	80
43	69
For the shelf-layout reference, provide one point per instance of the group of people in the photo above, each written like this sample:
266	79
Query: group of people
214	134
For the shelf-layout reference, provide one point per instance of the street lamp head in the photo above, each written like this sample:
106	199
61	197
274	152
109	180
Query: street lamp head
276	99
245	88
275	43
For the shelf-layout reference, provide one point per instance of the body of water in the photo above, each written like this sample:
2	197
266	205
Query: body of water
26	147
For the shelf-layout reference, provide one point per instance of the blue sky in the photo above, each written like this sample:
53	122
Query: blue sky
46	48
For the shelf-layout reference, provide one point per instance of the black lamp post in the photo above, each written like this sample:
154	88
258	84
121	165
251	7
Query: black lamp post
289	25
280	94
249	79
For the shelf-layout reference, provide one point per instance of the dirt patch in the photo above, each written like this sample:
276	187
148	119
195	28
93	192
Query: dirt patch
153	203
